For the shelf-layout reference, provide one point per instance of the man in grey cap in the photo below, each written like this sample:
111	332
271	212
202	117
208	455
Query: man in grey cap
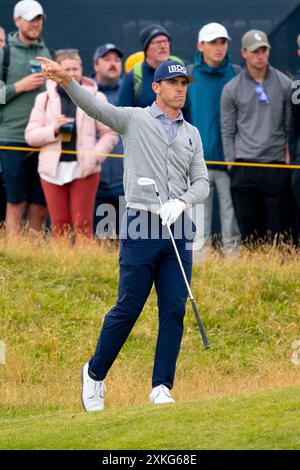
136	89
22	183
255	115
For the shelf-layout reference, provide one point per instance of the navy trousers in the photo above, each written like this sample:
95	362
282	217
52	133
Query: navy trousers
108	196
144	261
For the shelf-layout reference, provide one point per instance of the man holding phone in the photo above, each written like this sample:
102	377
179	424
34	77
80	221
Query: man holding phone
23	82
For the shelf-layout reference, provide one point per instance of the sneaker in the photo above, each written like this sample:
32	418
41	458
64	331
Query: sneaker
92	391
161	395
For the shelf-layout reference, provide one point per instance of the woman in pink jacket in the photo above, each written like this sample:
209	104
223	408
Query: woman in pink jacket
71	150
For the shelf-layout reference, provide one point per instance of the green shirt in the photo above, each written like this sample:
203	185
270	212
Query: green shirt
14	115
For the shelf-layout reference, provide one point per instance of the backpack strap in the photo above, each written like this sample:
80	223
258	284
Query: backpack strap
137	79
6	60
174	57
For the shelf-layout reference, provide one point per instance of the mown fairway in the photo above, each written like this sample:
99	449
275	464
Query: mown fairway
268	420
53	299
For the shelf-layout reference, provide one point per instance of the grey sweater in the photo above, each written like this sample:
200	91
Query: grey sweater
252	130
177	167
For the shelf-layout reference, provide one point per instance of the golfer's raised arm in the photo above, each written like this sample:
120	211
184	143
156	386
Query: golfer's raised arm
114	117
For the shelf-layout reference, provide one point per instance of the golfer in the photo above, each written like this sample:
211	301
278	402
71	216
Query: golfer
159	144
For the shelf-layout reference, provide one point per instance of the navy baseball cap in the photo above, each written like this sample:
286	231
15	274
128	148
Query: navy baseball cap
171	69
105	48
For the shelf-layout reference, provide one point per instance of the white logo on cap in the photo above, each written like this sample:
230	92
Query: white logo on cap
257	37
110	46
176	68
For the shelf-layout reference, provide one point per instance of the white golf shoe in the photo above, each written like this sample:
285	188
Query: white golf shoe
92	391
161	395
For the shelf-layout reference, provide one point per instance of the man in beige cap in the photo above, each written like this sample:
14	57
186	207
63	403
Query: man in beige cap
255	115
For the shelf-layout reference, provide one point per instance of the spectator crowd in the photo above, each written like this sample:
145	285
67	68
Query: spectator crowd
248	118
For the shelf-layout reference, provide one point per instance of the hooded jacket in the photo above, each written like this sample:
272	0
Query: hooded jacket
40	132
15	113
205	103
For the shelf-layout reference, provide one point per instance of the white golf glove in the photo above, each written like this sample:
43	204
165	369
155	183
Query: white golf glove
171	210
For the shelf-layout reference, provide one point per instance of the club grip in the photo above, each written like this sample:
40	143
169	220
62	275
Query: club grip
201	327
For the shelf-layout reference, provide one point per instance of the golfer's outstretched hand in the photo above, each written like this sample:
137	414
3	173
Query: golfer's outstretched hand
54	71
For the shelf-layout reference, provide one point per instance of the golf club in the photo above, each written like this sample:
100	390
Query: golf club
148	181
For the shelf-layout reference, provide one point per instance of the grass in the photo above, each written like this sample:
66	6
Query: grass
53	299
257	421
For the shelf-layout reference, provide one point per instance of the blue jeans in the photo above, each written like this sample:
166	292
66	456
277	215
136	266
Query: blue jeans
142	263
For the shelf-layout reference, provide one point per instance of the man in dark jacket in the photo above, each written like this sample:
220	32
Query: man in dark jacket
108	71
22	182
212	70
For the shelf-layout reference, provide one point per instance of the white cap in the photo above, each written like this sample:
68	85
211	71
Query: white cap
28	9
212	31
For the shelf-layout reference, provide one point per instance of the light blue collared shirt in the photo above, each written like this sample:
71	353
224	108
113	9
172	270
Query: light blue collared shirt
171	127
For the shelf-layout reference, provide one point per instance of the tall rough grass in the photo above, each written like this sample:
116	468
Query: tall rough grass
54	296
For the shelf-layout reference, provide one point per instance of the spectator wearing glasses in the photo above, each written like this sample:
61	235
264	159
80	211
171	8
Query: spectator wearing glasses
255	116
136	88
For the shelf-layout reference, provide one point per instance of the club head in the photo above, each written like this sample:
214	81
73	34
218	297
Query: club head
145	181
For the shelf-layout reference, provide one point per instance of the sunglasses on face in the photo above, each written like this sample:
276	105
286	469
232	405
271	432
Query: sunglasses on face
261	95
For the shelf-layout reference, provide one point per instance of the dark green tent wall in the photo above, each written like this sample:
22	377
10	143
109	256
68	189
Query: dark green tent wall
86	24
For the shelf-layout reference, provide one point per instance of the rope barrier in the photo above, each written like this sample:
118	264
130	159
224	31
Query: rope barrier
117	155
70	152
